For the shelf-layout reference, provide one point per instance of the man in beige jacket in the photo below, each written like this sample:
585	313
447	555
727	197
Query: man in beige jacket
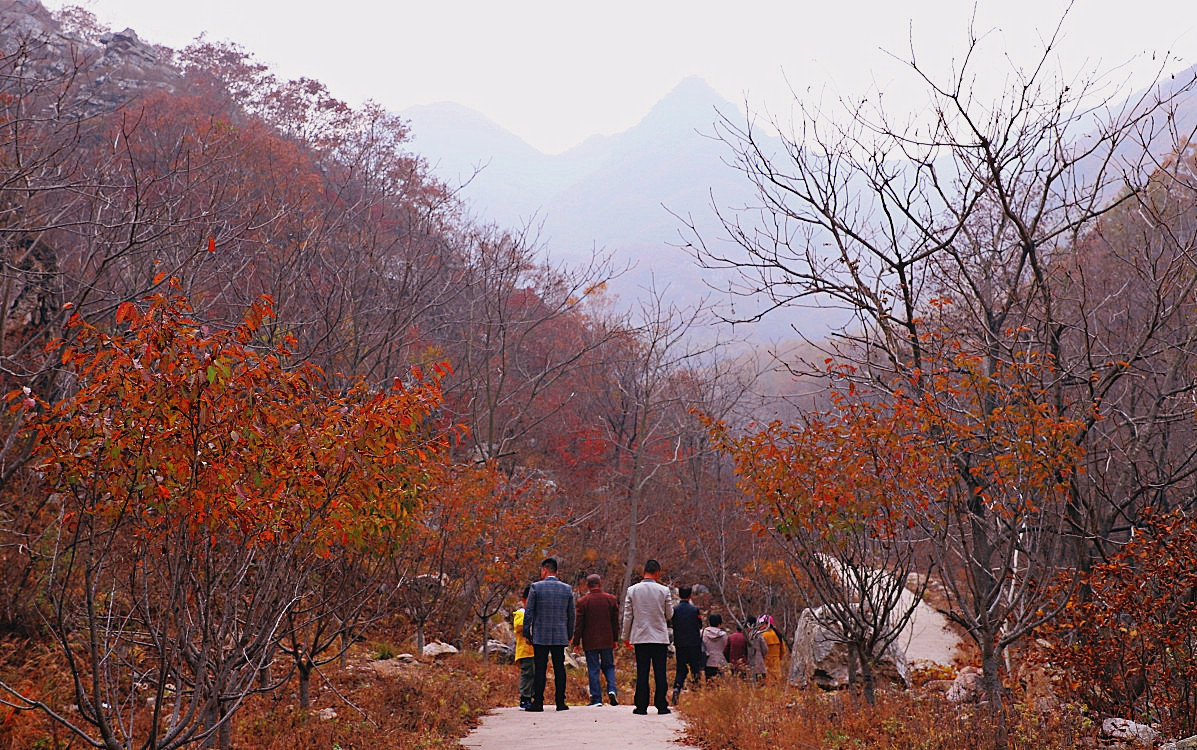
646	611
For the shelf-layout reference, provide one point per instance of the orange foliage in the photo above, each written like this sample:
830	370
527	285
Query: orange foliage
1129	646
179	424
198	476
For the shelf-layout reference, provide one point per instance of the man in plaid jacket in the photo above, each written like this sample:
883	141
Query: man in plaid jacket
548	624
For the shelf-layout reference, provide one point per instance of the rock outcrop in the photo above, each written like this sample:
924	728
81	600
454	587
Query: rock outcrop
97	74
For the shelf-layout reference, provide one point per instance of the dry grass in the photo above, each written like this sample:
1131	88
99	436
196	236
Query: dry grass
34	669
429	704
433	704
735	716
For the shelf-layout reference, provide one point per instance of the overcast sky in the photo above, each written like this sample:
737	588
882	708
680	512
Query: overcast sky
554	71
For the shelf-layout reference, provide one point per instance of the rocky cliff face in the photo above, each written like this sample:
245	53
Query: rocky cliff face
53	79
75	70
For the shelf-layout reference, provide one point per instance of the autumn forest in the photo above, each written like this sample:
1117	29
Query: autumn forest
273	395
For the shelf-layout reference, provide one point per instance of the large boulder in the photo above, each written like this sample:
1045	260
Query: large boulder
503	653
820	656
501	631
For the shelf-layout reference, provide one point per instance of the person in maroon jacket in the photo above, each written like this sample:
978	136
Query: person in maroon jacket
737	652
596	628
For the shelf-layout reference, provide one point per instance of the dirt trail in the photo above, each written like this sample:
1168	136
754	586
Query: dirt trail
592	727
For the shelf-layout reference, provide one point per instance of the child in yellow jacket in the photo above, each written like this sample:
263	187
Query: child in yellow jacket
523	653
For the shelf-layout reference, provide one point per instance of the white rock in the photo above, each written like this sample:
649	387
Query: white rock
327	714
1125	729
437	648
968	687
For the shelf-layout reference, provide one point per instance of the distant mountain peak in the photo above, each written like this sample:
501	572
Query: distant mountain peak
693	88
692	102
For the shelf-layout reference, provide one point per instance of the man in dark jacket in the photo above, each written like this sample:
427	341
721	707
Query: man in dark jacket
597	625
548	621
687	641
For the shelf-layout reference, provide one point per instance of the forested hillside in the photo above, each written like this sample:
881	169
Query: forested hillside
239	314
270	387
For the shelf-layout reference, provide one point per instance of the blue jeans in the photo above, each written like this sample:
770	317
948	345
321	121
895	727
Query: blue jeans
604	659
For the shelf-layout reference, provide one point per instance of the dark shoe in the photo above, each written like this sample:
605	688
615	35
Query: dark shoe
664	711
640	711
611	698
562	707
534	708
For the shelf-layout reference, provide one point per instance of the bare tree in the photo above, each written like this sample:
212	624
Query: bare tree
955	222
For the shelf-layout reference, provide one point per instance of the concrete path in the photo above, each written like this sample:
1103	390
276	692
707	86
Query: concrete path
592	727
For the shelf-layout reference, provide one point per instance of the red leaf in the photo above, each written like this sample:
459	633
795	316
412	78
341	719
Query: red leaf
126	311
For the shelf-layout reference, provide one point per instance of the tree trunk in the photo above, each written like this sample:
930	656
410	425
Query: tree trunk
264	672
225	732
867	675
991	676
305	685
634	488
485	640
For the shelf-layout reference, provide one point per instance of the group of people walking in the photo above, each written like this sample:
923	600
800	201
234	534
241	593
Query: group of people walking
551	619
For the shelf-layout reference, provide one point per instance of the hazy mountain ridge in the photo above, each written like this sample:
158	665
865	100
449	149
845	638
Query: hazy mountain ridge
617	193
621	192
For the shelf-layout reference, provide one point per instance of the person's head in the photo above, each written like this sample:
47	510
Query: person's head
715	620
524	594
593	582
684	592
548	567
652	569
765	621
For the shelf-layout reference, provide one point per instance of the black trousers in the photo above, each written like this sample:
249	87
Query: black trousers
689	660
652	655
540	662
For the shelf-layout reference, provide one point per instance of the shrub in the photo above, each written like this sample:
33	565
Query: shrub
735	715
1129	648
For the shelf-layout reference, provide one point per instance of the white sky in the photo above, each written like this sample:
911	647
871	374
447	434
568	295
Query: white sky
556	71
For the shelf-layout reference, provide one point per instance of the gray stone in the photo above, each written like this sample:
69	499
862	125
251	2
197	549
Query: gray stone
820	657
1188	743
968	687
